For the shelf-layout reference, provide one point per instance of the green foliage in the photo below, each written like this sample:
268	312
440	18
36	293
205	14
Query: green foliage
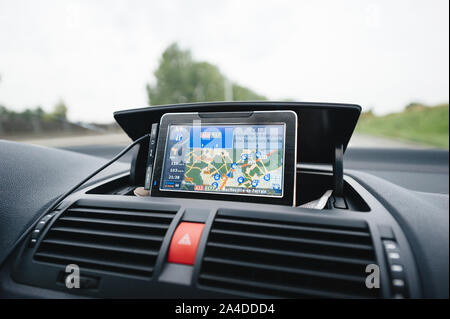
37	112
367	114
59	111
419	123
241	93
415	106
180	79
34	121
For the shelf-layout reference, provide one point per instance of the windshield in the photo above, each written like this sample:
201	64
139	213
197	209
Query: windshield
66	66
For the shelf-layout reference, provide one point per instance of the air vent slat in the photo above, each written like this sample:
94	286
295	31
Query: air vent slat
248	256
111	247
106	240
69	258
290	253
111	212
290	239
293	227
113	222
107	233
285	269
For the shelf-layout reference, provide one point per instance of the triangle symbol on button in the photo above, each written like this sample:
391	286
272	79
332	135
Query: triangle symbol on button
185	240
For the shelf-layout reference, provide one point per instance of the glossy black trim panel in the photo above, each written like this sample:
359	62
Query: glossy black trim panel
323	125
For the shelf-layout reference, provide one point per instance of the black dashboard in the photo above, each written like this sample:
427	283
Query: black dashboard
123	243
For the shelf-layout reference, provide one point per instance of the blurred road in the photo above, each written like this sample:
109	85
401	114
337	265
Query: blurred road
121	139
81	140
368	141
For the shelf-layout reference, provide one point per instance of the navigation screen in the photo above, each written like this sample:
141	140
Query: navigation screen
229	159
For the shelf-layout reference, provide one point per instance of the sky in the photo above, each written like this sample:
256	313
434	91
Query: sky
98	56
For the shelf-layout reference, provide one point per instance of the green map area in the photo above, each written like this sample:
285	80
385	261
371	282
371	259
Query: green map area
224	170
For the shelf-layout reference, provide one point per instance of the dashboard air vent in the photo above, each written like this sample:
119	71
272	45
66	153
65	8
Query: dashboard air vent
265	258
122	241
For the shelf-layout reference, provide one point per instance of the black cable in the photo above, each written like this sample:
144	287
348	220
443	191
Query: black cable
123	152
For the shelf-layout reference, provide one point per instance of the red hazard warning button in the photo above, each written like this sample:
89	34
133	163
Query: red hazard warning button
183	247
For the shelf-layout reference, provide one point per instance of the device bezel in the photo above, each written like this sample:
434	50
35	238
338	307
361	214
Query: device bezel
288	118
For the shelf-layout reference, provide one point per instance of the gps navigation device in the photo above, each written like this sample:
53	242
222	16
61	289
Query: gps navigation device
251	155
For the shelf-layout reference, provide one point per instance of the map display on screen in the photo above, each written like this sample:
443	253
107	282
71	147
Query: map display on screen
226	158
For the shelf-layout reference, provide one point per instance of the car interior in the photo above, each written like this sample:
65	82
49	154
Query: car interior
226	200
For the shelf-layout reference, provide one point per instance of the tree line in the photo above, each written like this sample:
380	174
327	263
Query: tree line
181	79
33	120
